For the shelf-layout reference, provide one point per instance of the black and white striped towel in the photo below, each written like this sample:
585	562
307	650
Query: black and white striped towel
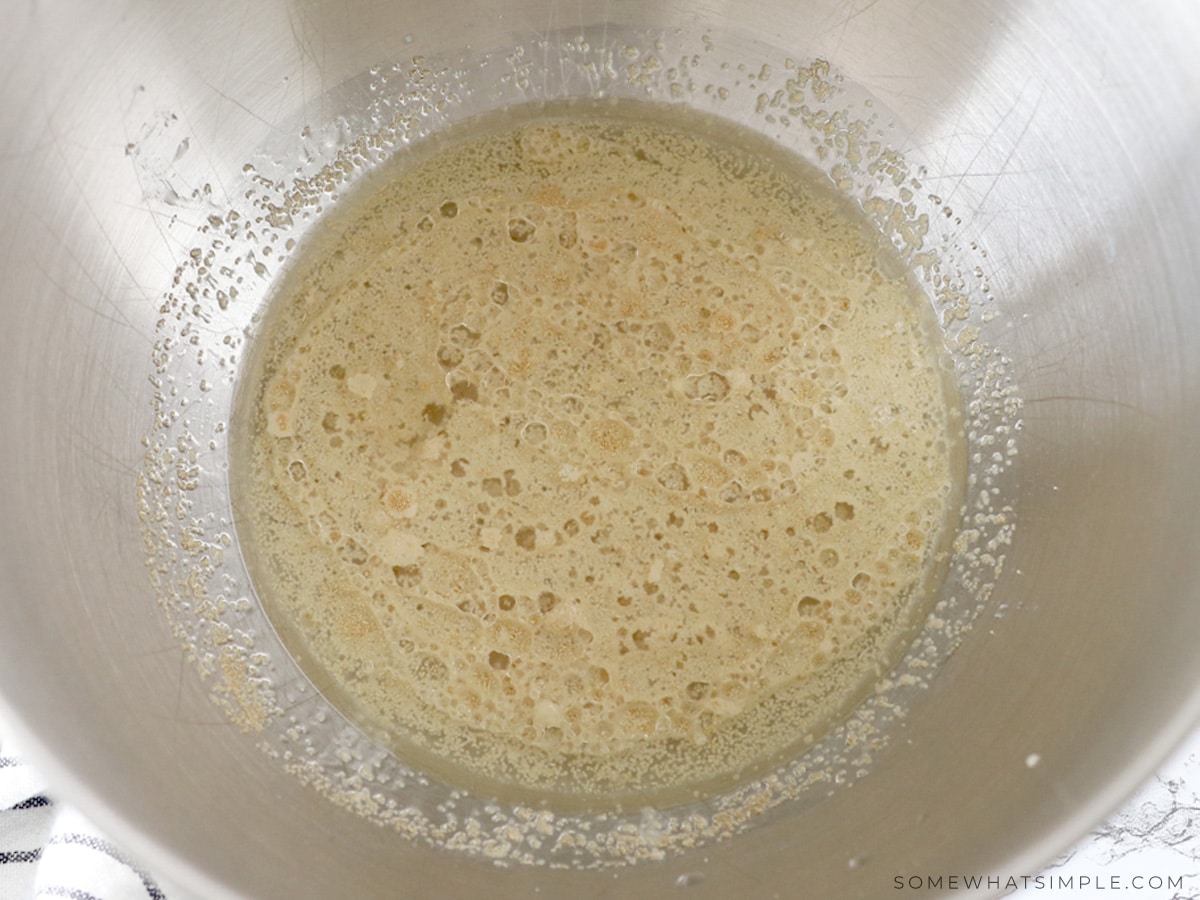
48	850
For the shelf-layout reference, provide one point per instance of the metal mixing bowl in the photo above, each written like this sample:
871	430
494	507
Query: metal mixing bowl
1043	157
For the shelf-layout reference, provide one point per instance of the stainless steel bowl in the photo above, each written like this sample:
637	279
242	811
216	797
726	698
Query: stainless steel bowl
1043	160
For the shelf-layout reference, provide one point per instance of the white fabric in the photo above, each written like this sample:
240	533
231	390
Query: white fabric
48	850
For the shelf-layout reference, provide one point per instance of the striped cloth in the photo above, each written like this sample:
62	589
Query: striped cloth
48	850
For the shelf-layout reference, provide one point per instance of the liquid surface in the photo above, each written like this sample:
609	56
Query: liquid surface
592	455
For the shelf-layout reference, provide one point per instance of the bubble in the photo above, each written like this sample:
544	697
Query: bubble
431	671
659	336
449	356
808	606
673	477
534	432
463	335
571	405
520	229
733	492
698	690
512	484
399	503
463	389
709	386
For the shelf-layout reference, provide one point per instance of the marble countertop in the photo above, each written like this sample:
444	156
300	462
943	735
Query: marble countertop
1148	850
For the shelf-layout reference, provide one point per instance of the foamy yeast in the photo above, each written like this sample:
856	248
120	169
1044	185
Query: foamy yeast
592	454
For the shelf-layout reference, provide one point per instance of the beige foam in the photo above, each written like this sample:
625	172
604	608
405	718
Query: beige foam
596	454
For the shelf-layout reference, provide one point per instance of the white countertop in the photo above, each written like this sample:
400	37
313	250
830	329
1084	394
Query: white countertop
1148	850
